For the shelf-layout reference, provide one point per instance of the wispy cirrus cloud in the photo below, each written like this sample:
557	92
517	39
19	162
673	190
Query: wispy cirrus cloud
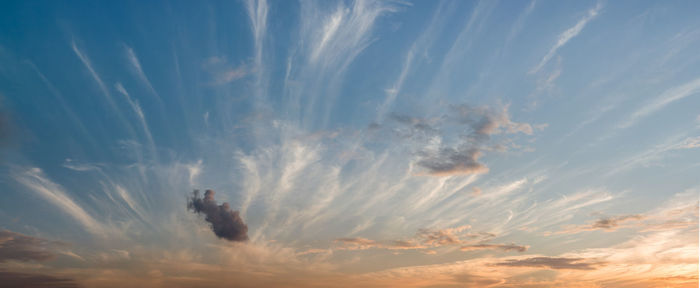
103	88
331	37
223	72
418	51
37	182
567	35
140	114
688	143
136	66
667	97
257	12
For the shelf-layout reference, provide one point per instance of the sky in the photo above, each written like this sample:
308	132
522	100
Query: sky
349	143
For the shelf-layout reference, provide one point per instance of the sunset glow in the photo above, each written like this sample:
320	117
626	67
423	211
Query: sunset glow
264	143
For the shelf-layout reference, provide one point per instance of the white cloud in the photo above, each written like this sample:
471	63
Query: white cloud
136	65
669	96
105	92
142	118
567	35
37	182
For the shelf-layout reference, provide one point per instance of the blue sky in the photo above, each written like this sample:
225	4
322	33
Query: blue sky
373	143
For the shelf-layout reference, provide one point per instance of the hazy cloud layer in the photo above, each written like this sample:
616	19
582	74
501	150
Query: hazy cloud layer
20	247
225	223
30	280
364	244
426	238
504	247
611	223
551	263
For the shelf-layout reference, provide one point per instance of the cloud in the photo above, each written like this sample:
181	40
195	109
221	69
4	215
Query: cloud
416	53
426	238
88	65
446	154
681	212
688	143
567	35
356	243
404	245
330	38
488	121
136	66
468	280
344	33
98	80
31	280
611	223
442	237
449	161
230	74
364	244
669	96
20	247
222	72
257	12
551	263
504	247
139	112
416	126
225	223
659	259
314	251
36	181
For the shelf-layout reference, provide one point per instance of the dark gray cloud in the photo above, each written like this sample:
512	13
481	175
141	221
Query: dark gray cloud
225	223
551	263
30	280
20	247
